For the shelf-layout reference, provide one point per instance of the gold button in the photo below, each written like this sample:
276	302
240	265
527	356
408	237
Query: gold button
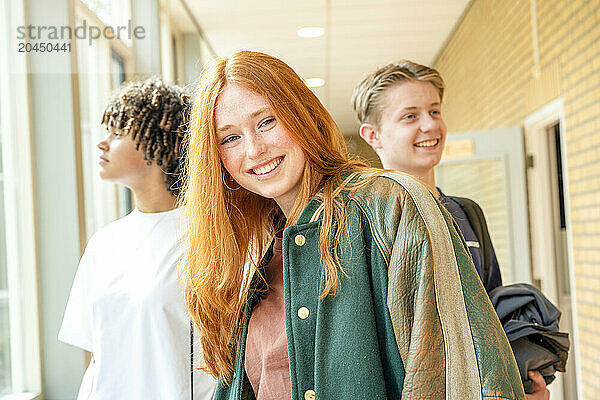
303	312
300	240
309	395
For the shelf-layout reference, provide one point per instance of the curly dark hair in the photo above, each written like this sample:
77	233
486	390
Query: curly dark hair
155	114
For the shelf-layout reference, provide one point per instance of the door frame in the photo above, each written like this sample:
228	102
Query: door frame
535	125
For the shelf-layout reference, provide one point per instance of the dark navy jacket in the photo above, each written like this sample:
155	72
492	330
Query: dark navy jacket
494	278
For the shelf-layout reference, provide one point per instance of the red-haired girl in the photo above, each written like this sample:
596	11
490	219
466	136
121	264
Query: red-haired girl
353	289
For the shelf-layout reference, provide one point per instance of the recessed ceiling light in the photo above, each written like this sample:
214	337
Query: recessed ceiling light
311	32
314	82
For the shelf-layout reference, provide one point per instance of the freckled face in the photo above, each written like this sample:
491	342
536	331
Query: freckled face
256	150
412	132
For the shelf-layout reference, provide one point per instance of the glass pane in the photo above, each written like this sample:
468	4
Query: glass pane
102	8
5	356
3	261
114	13
118	70
97	67
5	373
85	55
483	181
118	77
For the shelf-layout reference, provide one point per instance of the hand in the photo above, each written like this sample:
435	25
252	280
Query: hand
539	387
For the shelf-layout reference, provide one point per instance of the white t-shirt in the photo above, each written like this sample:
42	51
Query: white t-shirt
126	306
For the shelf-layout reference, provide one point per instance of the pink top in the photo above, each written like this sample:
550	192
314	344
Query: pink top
267	362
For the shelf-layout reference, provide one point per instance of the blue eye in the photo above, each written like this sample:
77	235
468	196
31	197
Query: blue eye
265	124
410	116
229	139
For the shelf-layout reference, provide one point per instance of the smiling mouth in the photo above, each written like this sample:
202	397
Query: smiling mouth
265	169
428	143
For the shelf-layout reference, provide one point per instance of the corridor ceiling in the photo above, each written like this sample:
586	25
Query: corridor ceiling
359	36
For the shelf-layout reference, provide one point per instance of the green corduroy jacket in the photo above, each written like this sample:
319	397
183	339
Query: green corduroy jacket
410	321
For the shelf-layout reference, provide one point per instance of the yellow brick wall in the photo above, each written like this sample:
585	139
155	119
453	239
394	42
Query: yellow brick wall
492	81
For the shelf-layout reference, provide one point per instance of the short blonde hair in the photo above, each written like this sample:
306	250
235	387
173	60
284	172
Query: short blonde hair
367	98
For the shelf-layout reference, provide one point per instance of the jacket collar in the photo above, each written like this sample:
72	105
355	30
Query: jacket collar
312	212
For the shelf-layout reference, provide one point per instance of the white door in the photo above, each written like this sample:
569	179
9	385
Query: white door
489	167
548	198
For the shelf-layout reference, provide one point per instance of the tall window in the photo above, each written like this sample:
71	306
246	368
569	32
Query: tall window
118	69
102	69
111	12
20	372
5	373
118	77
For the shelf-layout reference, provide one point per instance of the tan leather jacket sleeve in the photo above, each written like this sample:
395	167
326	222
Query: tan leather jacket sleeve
438	338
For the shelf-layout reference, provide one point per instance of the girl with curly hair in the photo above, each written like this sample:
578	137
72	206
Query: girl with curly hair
126	306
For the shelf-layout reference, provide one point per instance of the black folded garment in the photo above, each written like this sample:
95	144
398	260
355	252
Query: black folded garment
530	321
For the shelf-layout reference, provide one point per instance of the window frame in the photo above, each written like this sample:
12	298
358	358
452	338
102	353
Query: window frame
115	200
21	249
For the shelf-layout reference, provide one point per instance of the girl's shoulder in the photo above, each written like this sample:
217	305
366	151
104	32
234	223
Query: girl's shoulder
387	197
112	231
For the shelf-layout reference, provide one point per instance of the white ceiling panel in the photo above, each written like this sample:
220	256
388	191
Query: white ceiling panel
359	37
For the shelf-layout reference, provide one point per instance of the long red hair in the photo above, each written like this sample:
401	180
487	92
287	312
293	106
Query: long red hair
229	227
